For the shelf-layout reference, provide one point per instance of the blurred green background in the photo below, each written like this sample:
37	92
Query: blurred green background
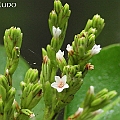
32	17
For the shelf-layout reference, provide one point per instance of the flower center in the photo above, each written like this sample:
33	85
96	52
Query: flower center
61	84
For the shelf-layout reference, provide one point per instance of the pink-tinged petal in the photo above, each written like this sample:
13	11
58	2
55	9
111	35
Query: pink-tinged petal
64	79
54	85
57	79
60	89
66	86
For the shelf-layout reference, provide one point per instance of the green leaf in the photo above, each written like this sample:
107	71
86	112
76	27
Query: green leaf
105	75
17	78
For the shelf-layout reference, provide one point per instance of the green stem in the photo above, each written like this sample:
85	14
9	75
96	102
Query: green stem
49	114
5	116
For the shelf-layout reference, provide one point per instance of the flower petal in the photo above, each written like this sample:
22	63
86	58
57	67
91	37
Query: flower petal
57	79
60	89
59	55
54	85
66	86
69	48
64	79
96	49
56	31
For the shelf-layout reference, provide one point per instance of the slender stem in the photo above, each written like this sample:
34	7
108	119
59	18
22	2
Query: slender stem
49	114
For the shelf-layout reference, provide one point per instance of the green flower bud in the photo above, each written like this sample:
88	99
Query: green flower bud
12	38
2	92
37	89
82	41
31	76
44	52
88	25
57	6
10	99
83	34
78	75
15	52
95	20
63	16
4	82
101	93
35	100
22	85
91	41
28	99
28	113
66	9
51	53
71	70
12	67
98	23
46	70
81	51
60	16
11	93
91	31
47	94
29	92
12	111
55	43
71	60
89	97
53	18
111	94
1	106
24	97
98	101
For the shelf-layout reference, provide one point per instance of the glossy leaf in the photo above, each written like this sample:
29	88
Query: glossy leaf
105	75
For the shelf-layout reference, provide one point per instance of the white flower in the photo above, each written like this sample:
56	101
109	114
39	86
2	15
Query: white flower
56	31
59	55
69	48
96	49
60	83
